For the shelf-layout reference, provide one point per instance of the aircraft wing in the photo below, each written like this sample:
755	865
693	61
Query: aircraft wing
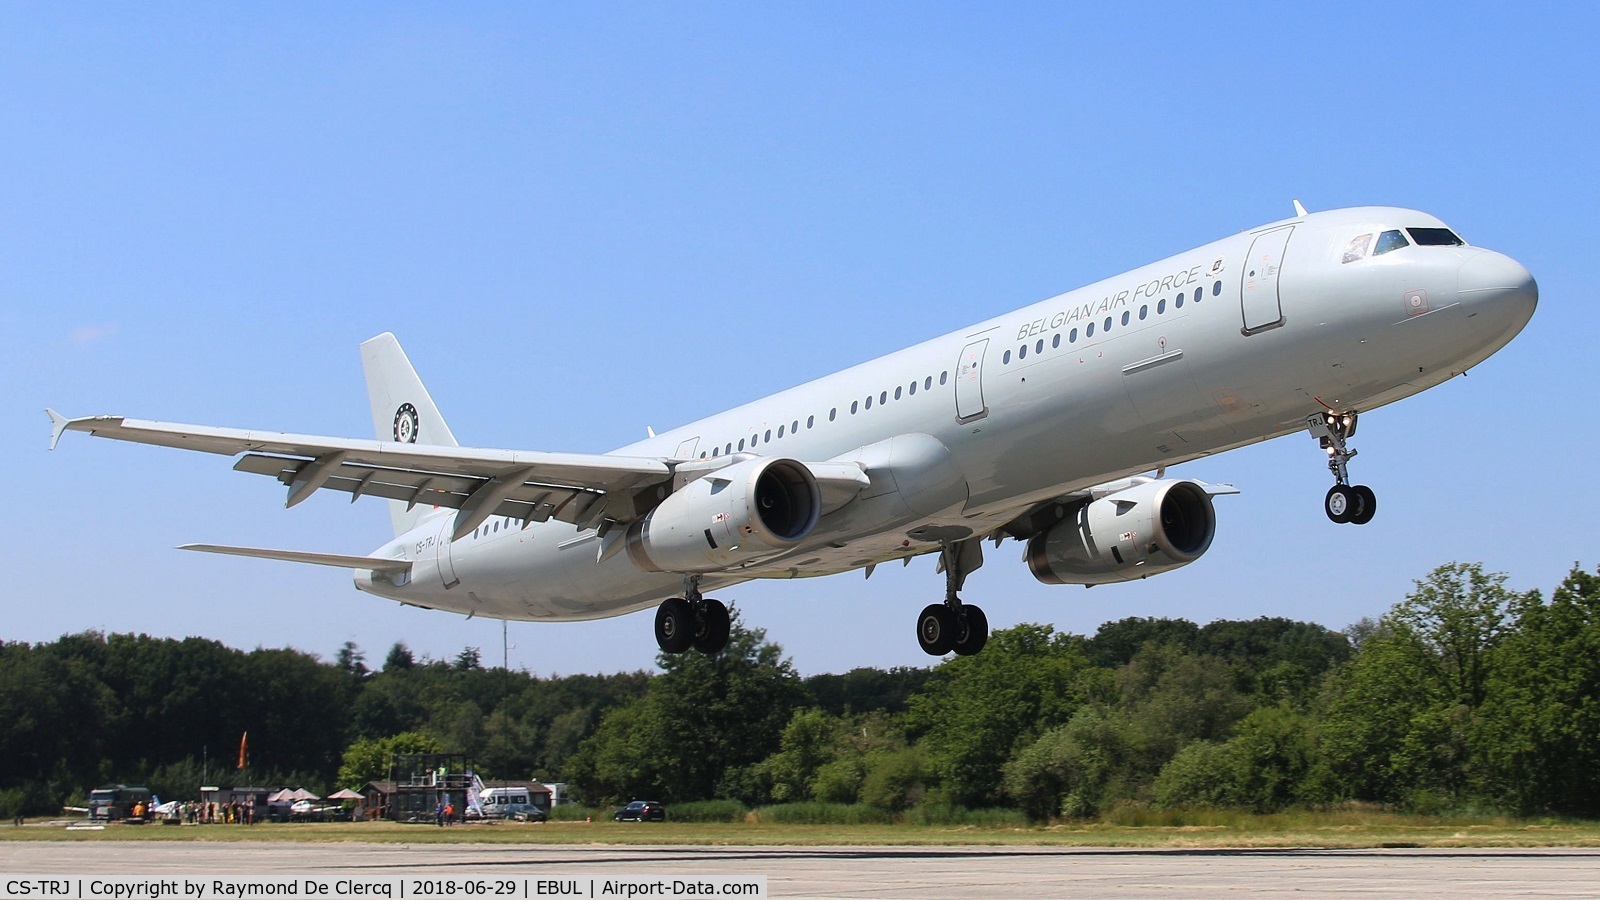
582	489
578	488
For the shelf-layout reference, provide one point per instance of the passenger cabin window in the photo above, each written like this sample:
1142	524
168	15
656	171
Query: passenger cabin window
1357	248
1434	237
1390	240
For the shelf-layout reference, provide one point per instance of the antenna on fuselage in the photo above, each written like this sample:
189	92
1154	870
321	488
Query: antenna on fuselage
1299	211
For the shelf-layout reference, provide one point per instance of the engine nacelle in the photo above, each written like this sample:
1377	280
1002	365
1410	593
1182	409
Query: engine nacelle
1145	530
744	512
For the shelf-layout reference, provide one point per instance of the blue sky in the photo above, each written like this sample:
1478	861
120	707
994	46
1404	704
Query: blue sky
585	219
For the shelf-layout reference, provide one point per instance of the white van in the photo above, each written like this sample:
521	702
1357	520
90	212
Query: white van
512	803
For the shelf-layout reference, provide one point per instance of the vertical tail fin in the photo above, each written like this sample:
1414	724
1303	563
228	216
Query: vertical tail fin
402	411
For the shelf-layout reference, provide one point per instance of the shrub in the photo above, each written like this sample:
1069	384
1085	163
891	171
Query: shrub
939	812
708	811
572	812
814	813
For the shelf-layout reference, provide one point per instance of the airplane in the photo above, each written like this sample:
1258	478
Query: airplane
1053	426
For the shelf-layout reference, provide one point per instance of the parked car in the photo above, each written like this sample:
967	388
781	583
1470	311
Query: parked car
641	811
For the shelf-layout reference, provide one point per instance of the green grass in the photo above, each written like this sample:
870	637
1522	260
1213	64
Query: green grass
1198	829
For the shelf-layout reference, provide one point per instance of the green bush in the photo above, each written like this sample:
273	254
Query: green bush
945	813
708	811
814	813
839	781
572	812
897	780
1203	774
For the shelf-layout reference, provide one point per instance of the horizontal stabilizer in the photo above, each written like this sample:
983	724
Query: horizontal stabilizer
317	559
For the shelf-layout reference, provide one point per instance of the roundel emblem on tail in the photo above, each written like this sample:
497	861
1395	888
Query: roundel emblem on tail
405	424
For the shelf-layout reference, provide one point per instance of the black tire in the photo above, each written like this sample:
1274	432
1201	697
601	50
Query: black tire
674	625
1340	503
712	627
973	631
1366	505
936	630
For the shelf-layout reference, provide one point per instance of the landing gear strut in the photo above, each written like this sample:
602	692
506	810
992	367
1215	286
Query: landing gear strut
1355	504
692	621
953	625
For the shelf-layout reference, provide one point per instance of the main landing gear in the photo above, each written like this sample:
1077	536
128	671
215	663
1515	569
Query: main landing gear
692	621
953	625
1355	504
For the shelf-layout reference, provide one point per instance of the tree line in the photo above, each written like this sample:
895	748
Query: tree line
1464	696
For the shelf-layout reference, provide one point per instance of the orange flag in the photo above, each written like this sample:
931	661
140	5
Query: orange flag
243	748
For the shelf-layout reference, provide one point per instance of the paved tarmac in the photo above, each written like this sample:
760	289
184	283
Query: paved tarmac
924	873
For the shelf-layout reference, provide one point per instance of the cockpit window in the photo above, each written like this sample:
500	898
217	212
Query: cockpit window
1390	240
1357	248
1435	237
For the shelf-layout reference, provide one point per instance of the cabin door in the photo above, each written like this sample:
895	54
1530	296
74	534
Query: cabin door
1258	291
969	382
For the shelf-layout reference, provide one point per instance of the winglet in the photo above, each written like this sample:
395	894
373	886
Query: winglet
58	426
1299	211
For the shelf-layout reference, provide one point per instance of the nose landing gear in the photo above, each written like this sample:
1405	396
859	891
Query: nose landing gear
1344	503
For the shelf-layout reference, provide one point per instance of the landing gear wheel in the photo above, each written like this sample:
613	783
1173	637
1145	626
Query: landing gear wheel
973	631
712	626
936	630
675	625
1340	503
1366	505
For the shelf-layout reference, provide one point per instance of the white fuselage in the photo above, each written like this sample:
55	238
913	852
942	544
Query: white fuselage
1228	344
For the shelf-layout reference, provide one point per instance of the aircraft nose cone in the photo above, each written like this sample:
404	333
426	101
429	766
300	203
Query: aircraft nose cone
1499	286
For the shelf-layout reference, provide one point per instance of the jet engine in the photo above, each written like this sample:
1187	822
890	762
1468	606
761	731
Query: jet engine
733	515
1144	530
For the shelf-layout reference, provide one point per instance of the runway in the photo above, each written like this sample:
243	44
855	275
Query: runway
924	873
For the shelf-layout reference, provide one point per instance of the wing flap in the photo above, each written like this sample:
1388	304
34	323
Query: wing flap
532	501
